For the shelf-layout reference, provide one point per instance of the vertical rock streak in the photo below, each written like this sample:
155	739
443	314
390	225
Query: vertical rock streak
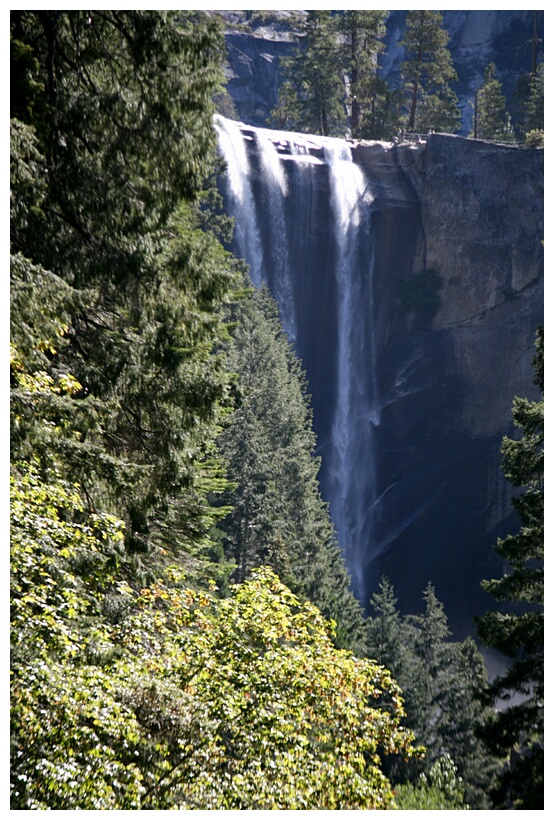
275	228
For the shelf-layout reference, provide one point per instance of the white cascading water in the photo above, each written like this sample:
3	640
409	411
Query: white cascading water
351	464
284	222
233	150
277	189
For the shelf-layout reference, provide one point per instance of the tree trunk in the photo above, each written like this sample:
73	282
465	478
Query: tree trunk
411	121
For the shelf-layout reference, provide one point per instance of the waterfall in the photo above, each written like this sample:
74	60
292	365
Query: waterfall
302	209
352	496
233	149
275	184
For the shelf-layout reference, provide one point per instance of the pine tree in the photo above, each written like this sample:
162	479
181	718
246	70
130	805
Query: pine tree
362	32
443	683
312	98
534	110
427	72
120	108
277	515
493	120
382	116
516	733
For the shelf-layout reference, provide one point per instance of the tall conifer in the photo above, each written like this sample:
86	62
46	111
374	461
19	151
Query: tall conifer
120	105
277	515
428	72
516	733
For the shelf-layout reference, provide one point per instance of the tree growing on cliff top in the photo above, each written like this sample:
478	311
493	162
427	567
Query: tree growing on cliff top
312	98
427	73
362	32
492	119
517	732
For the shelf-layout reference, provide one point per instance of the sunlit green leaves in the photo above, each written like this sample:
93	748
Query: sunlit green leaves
299	724
185	700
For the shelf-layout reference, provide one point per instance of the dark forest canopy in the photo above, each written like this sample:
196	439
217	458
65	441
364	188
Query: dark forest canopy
179	697
162	452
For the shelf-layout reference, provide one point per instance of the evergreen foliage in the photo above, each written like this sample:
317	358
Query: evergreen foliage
336	65
112	118
534	110
427	73
440	789
443	682
516	732
170	698
312	98
131	690
493	120
362	33
137	682
530	106
276	513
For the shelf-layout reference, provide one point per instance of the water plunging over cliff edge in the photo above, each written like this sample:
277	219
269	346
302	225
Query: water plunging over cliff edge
409	410
273	234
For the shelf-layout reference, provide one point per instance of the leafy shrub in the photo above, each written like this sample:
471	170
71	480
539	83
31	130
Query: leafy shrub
440	789
534	138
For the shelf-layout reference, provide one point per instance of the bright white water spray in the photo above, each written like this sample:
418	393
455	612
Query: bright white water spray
272	226
233	150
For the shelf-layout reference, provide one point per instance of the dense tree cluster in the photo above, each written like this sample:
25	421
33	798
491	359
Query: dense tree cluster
132	688
112	118
182	625
443	681
276	513
173	698
350	44
332	86
516	733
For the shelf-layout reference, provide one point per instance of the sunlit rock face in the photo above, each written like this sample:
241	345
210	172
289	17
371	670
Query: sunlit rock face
409	407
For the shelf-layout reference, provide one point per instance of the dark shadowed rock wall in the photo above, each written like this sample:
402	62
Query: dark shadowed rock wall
443	384
447	385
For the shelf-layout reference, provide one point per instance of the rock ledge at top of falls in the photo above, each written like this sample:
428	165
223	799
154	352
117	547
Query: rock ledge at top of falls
467	191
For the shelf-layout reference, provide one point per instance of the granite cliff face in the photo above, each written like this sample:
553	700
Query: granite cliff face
409	408
447	388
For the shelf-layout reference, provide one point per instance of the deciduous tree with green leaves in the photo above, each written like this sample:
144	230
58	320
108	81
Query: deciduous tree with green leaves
171	698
